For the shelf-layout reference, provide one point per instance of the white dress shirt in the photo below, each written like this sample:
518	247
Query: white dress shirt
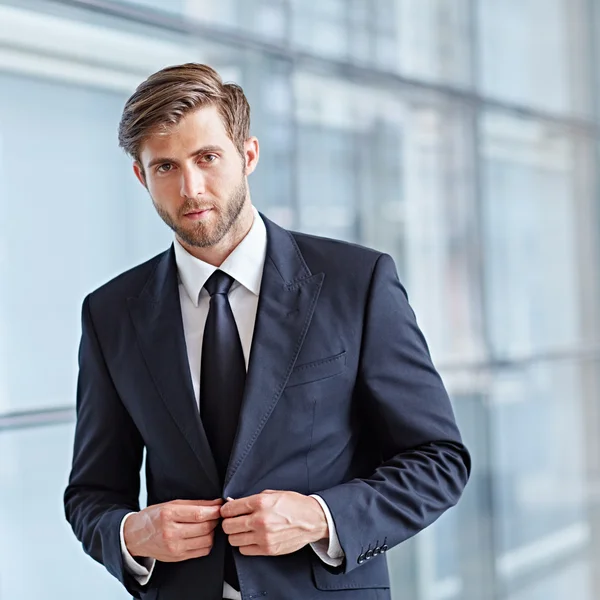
245	265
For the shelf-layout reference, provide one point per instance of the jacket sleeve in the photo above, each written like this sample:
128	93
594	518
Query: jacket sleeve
104	483
424	464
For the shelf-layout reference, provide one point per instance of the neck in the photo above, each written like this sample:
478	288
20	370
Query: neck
216	255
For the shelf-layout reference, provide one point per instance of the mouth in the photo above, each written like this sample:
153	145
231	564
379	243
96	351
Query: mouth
197	214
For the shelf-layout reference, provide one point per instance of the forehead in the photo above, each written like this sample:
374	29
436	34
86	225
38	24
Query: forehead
201	127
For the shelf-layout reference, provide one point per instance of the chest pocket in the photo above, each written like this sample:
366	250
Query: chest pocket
317	370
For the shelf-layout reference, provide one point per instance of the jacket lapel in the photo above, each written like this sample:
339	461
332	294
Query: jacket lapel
156	314
288	295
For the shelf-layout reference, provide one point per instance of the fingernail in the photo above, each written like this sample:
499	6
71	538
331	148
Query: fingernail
229	498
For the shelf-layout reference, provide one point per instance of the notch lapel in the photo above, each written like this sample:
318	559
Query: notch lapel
156	315
288	296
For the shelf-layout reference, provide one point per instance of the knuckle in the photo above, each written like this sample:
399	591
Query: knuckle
166	514
168	535
260	521
271	546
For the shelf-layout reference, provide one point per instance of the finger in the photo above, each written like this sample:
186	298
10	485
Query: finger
195	554
243	506
193	514
197	543
216	502
236	525
243	539
192	530
253	550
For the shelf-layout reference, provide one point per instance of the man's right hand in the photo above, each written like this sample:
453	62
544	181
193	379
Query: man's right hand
173	531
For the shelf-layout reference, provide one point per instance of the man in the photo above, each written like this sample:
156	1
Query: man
294	425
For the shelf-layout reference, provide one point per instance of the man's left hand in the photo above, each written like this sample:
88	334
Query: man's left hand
273	523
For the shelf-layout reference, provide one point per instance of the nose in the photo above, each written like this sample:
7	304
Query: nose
192	183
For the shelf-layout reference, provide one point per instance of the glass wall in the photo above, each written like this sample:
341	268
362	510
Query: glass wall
460	137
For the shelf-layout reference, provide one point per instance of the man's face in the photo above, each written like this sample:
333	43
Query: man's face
196	178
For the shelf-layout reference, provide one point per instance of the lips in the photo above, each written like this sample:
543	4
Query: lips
197	211
197	215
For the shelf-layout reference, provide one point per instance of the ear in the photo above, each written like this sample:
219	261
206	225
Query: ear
251	155
139	173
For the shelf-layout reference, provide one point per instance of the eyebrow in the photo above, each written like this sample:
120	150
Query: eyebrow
165	159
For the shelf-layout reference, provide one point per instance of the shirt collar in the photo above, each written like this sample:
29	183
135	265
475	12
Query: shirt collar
245	264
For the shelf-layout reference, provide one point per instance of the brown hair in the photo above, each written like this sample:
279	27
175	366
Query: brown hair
168	95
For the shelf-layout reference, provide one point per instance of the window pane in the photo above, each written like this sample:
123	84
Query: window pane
434	39
73	217
570	581
320	33
267	85
539	488
531	238
39	555
543	64
391	171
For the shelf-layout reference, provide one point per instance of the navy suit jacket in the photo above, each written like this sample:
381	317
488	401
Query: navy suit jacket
341	400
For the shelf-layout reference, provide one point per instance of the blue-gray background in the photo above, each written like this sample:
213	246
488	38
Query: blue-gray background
460	136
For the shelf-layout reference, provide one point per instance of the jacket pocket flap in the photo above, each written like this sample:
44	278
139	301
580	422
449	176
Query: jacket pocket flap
317	370
373	574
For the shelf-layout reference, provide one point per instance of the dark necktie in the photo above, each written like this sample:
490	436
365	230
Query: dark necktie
222	380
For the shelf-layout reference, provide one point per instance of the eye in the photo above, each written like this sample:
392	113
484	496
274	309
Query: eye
209	158
164	168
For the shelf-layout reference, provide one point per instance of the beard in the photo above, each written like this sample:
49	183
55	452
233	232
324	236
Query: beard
200	234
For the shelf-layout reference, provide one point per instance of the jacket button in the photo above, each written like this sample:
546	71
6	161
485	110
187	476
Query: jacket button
369	554
384	548
376	551
361	559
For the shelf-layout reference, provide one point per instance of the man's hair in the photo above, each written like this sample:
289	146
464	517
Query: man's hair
162	100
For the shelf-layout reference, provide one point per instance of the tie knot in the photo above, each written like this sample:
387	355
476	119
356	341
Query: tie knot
218	283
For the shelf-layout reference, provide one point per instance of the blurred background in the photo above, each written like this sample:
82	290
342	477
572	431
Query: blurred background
460	136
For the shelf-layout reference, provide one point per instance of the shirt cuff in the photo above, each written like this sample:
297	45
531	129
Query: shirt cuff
141	568
329	551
